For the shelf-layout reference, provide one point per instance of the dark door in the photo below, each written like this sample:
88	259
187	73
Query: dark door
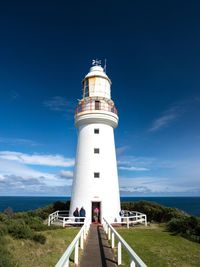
96	212
97	105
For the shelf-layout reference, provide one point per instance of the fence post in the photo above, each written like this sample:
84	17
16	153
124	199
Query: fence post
108	233
113	240
49	220
106	228
145	217
76	253
127	222
119	253
132	264
82	237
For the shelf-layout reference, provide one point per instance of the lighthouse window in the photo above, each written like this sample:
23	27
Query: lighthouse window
86	88
96	174
96	150
96	131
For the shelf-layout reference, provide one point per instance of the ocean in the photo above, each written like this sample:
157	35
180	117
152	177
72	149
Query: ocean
190	205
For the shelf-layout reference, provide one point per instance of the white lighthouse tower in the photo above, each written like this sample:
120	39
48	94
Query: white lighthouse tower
95	183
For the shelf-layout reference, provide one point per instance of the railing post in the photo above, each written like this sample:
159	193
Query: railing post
63	222
145	217
106	228
67	263
113	240
127	222
108	233
82	239
76	253
132	263
49	220
84	233
119	253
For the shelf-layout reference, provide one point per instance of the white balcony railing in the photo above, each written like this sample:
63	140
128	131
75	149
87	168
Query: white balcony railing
95	105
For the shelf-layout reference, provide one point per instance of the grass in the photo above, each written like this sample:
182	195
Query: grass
29	253
159	248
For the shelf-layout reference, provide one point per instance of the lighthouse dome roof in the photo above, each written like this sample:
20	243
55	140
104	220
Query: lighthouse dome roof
97	71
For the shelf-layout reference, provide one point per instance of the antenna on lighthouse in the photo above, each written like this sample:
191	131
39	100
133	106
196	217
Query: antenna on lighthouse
104	68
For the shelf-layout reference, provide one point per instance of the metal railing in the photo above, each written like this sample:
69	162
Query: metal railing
135	260
95	105
58	216
74	246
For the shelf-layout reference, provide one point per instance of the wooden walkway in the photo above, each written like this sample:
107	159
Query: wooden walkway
97	251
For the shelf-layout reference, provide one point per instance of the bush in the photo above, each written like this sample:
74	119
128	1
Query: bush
3	229
39	238
154	211
5	257
188	227
18	229
9	212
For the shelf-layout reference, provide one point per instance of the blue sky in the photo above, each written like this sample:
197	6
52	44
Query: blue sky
153	55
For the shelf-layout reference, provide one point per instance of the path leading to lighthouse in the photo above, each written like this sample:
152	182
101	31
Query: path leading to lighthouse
97	251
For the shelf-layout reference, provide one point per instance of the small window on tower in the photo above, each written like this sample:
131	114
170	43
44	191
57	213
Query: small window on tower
96	131
96	174
86	88
96	150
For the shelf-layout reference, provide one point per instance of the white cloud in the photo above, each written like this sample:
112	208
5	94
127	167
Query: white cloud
18	141
37	159
121	150
152	185
132	168
133	163
17	178
167	118
59	103
66	174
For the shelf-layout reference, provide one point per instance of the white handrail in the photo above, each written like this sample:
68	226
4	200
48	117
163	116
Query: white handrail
74	246
112	234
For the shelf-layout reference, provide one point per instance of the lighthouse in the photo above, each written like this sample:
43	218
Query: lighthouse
95	182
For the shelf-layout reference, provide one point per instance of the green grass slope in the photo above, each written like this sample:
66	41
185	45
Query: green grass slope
159	248
29	253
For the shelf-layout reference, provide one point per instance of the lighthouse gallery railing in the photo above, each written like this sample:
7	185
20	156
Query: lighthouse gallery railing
95	105
112	235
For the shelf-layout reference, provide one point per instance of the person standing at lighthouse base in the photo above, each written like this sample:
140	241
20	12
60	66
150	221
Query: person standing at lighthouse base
82	214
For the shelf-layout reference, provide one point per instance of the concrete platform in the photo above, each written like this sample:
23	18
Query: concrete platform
97	251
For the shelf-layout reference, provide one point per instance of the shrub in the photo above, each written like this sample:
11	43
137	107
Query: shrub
155	212
188	227
9	212
18	229
5	257
39	238
3	229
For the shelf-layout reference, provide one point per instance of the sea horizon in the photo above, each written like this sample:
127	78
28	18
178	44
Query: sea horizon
189	204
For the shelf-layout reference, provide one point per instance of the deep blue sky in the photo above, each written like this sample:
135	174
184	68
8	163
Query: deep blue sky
153	60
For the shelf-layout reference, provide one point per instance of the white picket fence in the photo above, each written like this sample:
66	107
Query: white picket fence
74	246
114	235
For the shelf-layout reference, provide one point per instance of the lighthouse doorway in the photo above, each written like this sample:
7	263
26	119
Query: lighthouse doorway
96	212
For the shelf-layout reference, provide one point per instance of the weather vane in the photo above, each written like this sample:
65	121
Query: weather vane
96	62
